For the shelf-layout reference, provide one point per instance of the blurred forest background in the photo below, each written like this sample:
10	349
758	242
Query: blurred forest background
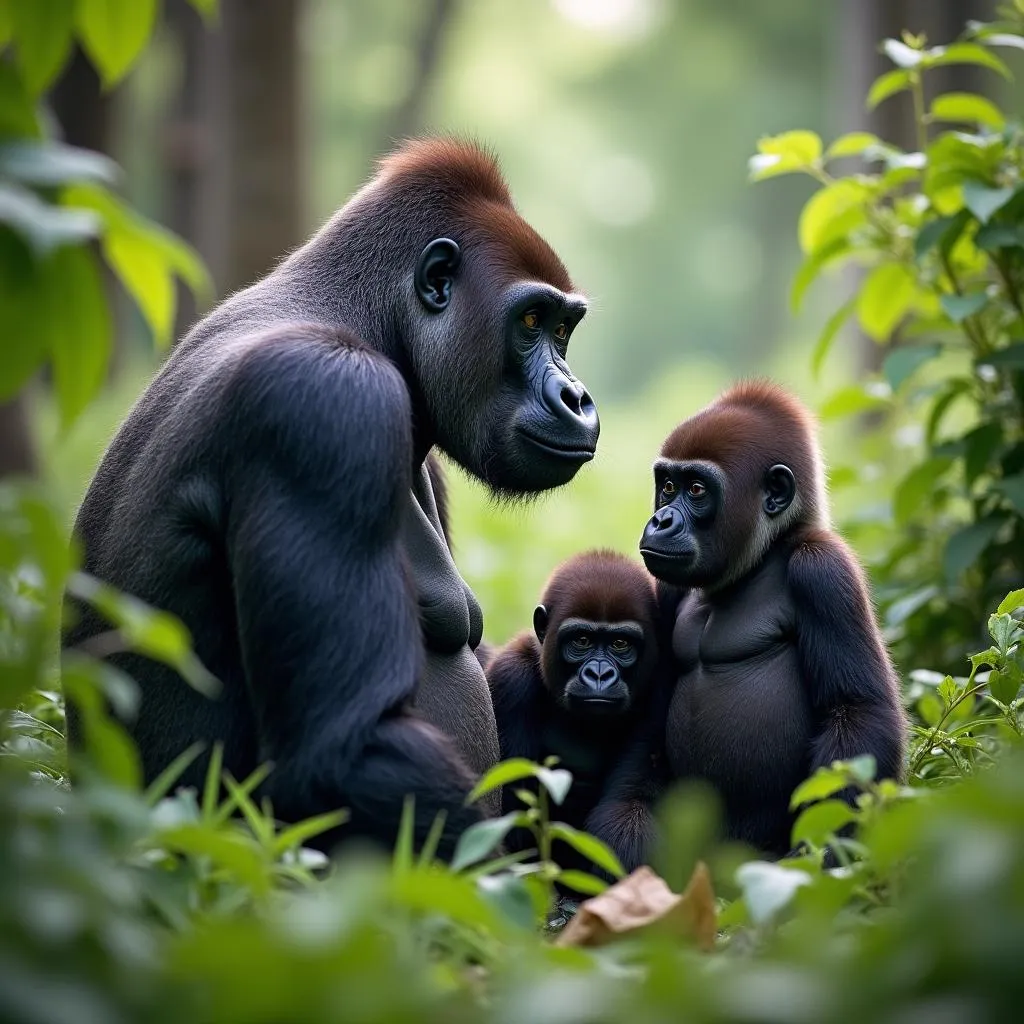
624	127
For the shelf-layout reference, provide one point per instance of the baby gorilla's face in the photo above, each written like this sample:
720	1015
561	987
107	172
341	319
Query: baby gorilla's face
598	660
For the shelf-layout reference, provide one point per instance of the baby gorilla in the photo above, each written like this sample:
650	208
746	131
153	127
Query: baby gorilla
582	688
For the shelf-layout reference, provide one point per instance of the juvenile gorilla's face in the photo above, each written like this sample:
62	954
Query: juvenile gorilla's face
494	376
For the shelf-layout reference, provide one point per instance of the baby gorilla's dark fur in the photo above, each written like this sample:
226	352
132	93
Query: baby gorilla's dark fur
582	687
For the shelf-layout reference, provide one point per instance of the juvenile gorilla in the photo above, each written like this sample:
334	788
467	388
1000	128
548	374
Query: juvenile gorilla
781	667
272	488
581	687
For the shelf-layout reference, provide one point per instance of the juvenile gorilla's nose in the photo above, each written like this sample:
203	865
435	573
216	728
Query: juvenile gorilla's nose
599	674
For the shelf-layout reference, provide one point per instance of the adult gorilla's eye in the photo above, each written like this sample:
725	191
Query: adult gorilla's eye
668	487
696	489
531	321
620	645
562	332
583	642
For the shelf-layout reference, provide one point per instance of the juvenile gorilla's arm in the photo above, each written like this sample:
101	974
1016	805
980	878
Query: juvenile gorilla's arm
326	619
852	686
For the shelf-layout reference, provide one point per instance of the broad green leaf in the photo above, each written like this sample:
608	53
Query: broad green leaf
980	447
811	267
851	144
18	119
6	22
823	783
1011	357
992	237
298	835
947	690
228	850
582	882
785	153
983	201
1012	601
146	277
44	227
901	363
510	896
863	768
767	888
42	30
969	53
590	846
53	163
887	85
83	339
512	770
992	656
832	212
114	32
1002	627
959	307
1004	684
967	106
26	316
482	839
850	401
916	486
965	547
828	335
557	781
819	822
885	297
900	54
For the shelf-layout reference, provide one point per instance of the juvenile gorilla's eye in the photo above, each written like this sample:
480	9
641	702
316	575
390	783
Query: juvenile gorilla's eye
620	645
668	487
531	320
696	489
562	332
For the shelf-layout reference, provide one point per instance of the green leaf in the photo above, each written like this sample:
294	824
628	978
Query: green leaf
983	201
959	307
767	888
785	154
887	85
483	838
53	163
83	339
811	267
145	276
44	227
819	822
207	8
582	882
509	895
1002	627
947	691
943	231
298	835
885	297
228	850
916	486
1012	601
831	213
967	106
1010	358
965	547
42	30
900	54
556	781
969	53
980	447
114	32
161	785
591	847
1004	683
863	768
901	363
512	770
851	144
18	117
823	783
851	401
828	335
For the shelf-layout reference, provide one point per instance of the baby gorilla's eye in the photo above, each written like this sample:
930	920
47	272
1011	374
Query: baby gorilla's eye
620	645
668	487
562	332
531	321
696	489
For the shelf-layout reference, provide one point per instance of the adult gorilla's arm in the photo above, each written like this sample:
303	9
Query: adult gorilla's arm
327	622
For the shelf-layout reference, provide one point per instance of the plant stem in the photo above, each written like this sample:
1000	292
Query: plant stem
925	747
917	92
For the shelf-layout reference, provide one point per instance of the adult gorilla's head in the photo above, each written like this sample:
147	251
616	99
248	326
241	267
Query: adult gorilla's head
477	311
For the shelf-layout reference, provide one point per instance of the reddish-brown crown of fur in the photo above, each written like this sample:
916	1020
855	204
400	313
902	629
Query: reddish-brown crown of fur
748	429
602	586
461	176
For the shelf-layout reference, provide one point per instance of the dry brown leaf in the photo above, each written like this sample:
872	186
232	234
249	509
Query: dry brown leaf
644	900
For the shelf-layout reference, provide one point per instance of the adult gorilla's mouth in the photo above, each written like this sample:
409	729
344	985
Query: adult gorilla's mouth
574	454
670	567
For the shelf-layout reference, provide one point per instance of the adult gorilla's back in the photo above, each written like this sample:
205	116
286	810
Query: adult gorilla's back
270	487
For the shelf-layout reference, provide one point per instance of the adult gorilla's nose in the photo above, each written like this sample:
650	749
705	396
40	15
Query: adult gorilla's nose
570	403
664	523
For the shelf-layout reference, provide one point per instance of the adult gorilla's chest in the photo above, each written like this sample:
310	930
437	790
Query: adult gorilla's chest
452	692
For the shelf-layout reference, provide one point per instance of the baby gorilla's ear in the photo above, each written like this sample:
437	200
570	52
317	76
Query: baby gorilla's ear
779	489
540	622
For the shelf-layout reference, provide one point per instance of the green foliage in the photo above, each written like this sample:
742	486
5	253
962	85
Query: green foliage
939	233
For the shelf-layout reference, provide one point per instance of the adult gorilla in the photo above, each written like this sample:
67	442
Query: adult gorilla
271	488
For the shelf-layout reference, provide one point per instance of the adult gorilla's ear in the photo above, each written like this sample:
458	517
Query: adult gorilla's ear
435	273
779	489
540	622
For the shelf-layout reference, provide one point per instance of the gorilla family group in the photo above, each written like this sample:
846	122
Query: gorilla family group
276	488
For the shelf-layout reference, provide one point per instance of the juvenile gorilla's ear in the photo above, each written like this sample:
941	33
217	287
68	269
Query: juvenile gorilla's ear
540	622
779	489
435	273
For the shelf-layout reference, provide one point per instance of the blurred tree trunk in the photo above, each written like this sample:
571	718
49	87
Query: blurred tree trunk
407	119
17	453
862	25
